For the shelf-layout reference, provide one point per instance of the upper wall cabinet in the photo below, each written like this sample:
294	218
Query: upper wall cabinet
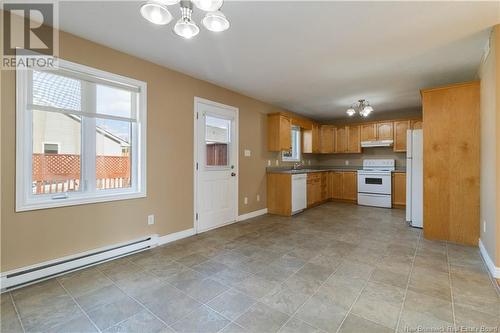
279	132
369	132
385	130
327	139
400	128
341	140
353	139
311	139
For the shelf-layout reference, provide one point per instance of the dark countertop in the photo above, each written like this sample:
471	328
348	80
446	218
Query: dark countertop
309	169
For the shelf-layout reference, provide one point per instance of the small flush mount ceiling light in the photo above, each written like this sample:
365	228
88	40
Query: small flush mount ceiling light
156	11
215	21
185	27
362	107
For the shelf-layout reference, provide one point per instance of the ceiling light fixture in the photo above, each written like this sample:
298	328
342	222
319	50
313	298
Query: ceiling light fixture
362	107
155	11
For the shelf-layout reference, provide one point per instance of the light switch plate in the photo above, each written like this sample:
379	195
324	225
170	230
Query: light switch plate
151	219
248	153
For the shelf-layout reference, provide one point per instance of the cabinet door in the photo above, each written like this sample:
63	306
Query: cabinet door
310	192
350	186
369	132
385	131
341	140
327	139
399	188
324	186
353	139
316	138
336	185
279	132
400	128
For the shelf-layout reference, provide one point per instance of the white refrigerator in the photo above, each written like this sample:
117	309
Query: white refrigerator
414	178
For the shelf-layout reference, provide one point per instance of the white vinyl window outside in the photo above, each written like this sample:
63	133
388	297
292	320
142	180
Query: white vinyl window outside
81	137
293	155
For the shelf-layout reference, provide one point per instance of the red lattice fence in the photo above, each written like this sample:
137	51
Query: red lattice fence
54	173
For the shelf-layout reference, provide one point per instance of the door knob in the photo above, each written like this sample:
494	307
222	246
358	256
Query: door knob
233	174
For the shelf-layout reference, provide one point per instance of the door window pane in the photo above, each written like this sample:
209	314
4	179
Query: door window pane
56	167
113	101
113	154
57	91
217	141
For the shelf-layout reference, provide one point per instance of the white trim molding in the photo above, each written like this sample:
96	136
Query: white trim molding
253	214
162	240
494	270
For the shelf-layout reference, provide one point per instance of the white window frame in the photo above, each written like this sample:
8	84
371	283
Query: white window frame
25	199
297	148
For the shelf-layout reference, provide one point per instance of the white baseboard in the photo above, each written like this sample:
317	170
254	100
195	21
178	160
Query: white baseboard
253	214
495	271
175	236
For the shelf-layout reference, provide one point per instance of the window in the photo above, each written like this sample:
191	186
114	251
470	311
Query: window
217	140
51	148
293	155
81	137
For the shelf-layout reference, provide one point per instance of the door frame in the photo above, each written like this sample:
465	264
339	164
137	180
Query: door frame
197	101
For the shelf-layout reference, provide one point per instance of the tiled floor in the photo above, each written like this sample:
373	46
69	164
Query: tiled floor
334	268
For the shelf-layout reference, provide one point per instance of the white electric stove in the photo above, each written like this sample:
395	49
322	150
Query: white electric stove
374	183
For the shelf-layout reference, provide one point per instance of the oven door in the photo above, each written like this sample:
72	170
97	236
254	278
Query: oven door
377	183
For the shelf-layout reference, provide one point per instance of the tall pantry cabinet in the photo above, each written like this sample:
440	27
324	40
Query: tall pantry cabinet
451	162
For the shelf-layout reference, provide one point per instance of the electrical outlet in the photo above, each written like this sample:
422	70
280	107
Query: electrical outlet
245	201
277	162
248	153
308	162
268	162
484	226
151	219
258	197
346	162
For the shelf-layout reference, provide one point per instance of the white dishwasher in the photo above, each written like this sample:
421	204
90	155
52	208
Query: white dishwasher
299	193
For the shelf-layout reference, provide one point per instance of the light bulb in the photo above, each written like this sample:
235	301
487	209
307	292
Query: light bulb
186	28
351	112
215	21
209	5
367	110
156	13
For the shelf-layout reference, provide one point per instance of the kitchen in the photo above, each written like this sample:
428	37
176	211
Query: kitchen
378	163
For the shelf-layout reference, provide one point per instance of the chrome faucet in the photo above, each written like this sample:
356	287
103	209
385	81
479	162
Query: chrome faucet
297	166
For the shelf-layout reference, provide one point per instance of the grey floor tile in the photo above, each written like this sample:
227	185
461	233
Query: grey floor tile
82	282
233	328
256	286
295	325
142	322
380	303
51	315
355	270
341	290
107	315
355	324
205	290
469	318
99	297
285	299
192	259
202	320
231	304
262	318
322	312
80	324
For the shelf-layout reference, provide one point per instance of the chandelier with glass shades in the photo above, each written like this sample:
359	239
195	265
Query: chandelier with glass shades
156	11
362	107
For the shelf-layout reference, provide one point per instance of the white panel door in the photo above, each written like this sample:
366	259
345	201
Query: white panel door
216	174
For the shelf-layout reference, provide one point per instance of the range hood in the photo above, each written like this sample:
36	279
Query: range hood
378	143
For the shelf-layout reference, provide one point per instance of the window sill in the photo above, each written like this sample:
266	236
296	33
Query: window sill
47	203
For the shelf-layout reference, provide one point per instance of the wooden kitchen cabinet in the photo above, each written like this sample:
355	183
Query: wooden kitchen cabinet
353	133
451	125
416	124
279	193
398	189
350	185
385	131
327	139
325	188
311	139
335	185
313	189
400	128
369	132
279	132
341	140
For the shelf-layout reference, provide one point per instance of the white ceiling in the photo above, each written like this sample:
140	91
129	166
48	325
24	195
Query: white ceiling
314	58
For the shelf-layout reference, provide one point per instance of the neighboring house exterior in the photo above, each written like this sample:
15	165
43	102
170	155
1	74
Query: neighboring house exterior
60	133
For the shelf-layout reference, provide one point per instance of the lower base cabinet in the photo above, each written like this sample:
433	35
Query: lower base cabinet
398	189
344	185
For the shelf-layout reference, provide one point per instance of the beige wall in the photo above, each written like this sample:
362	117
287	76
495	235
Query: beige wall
489	73
32	237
